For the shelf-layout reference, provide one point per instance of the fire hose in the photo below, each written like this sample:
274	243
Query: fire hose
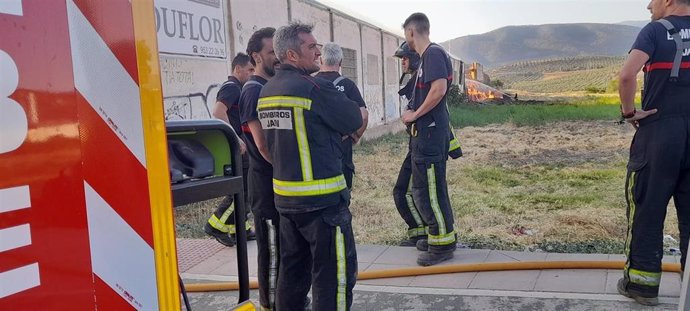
446	269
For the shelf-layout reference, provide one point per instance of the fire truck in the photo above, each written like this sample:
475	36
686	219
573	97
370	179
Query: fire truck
86	218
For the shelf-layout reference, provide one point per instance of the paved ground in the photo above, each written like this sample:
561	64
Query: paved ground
205	260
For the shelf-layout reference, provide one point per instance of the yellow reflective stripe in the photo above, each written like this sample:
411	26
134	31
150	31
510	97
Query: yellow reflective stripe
443	239
220	225
341	299
303	145
631	217
415	232
431	178
284	102
454	144
273	263
412	206
309	188
226	214
644	277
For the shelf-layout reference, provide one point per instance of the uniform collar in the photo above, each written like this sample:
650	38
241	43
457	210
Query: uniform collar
288	67
233	79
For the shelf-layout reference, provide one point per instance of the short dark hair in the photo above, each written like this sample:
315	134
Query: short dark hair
256	41
419	21
240	60
685	2
287	38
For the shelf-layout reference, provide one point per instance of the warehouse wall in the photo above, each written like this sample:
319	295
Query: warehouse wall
190	83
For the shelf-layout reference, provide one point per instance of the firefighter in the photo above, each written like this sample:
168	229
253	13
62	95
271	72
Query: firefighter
331	61
402	192
429	143
266	220
221	224
659	163
304	119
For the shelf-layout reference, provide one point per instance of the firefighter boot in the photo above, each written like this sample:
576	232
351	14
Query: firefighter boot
623	290
426	259
221	237
411	242
251	235
422	245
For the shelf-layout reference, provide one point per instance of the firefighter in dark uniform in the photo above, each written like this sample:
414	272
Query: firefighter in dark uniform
659	164
429	143
221	224
304	119
402	192
331	60
266	220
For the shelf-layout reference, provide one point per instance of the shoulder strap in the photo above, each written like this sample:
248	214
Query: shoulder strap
338	80
229	82
251	82
680	47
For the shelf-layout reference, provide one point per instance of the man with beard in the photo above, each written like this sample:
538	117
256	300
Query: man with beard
221	224
304	118
266	220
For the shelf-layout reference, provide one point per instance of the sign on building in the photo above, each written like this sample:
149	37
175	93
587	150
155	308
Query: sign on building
191	27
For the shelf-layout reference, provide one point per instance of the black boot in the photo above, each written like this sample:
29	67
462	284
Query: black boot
251	235
411	242
429	259
623	290
422	245
221	237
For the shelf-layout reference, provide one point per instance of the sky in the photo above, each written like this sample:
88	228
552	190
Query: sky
455	18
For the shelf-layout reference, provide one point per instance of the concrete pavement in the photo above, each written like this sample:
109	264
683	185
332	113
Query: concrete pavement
205	260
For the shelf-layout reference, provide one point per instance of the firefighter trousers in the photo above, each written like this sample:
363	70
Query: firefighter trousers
429	153
658	169
223	218
267	227
402	195
317	251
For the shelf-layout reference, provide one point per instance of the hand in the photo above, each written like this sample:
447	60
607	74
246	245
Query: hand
639	115
243	147
408	117
355	138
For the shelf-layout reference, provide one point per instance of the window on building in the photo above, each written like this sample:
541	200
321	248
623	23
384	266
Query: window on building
349	66
373	70
391	71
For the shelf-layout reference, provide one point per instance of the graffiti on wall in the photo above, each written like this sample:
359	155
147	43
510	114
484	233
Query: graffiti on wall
193	106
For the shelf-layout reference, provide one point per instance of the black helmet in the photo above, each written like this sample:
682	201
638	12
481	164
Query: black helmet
405	51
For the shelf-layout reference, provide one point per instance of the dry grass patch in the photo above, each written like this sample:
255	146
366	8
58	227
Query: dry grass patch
516	188
555	187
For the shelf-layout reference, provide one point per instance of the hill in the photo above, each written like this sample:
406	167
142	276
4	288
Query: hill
521	43
559	75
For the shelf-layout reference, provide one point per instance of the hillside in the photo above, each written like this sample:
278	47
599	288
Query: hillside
569	74
520	43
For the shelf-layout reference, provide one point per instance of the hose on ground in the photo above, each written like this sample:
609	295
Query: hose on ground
446	269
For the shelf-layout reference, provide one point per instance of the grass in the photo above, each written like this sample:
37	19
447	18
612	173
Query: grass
591	108
534	177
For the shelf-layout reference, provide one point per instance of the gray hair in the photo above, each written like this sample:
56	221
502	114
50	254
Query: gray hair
287	38
332	54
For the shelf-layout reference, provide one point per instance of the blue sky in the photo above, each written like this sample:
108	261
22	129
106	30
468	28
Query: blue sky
455	18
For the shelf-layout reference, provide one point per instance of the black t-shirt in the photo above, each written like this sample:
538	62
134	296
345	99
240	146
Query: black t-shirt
350	89
345	85
435	65
248	102
655	41
229	95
